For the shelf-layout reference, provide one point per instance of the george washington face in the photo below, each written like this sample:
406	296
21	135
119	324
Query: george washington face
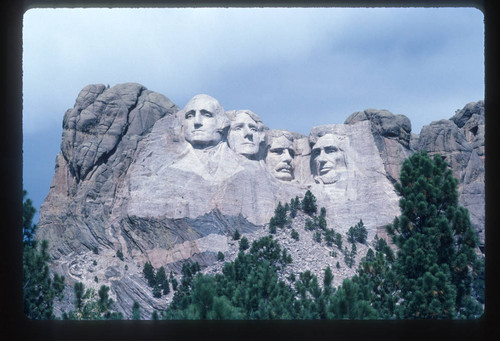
203	121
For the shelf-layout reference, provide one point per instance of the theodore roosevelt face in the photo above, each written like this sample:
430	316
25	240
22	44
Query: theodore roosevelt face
326	158
279	158
203	121
245	134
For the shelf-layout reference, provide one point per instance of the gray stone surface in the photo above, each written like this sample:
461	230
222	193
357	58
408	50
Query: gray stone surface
129	178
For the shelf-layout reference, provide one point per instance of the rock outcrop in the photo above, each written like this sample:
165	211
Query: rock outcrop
460	140
138	174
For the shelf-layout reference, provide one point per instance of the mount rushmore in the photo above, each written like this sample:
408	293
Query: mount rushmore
165	185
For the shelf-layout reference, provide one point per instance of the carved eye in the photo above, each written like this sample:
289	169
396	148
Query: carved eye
189	115
316	152
206	113
278	151
331	149
291	152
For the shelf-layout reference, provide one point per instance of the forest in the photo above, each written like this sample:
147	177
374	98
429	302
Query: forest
435	272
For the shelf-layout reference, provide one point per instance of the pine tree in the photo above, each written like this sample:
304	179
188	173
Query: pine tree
309	203
220	256
29	229
149	274
236	235
39	289
435	240
244	245
280	218
136	311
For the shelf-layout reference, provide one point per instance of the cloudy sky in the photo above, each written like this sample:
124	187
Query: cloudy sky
295	68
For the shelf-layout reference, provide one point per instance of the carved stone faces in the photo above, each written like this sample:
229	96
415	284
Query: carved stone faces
203	121
326	158
245	133
279	158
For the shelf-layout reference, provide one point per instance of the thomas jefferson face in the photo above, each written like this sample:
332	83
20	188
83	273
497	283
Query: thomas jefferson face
327	157
203	121
279	158
245	135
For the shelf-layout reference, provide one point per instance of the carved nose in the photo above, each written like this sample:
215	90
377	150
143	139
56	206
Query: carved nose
248	134
286	156
321	156
197	120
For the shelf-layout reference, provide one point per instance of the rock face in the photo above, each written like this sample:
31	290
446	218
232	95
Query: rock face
138	174
460	141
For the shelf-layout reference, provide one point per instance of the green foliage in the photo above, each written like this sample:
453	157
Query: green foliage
95	250
90	306
149	274
136	311
280	218
236	235
329	237
119	254
435	243
317	236
309	225
29	229
309	203
154	316
357	233
272	225
248	288
294	206
295	235
349	255
244	245
328	278
39	288
338	240
220	256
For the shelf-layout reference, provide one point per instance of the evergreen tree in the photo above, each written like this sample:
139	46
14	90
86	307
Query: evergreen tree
317	236
328	278
309	203
29	229
161	285
220	256
119	254
90	306
244	245
136	311
39	288
149	274
435	240
338	240
329	236
309	225
295	235
236	235
280	218
294	206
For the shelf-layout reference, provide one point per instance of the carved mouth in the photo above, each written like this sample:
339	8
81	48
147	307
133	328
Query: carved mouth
284	169
325	170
